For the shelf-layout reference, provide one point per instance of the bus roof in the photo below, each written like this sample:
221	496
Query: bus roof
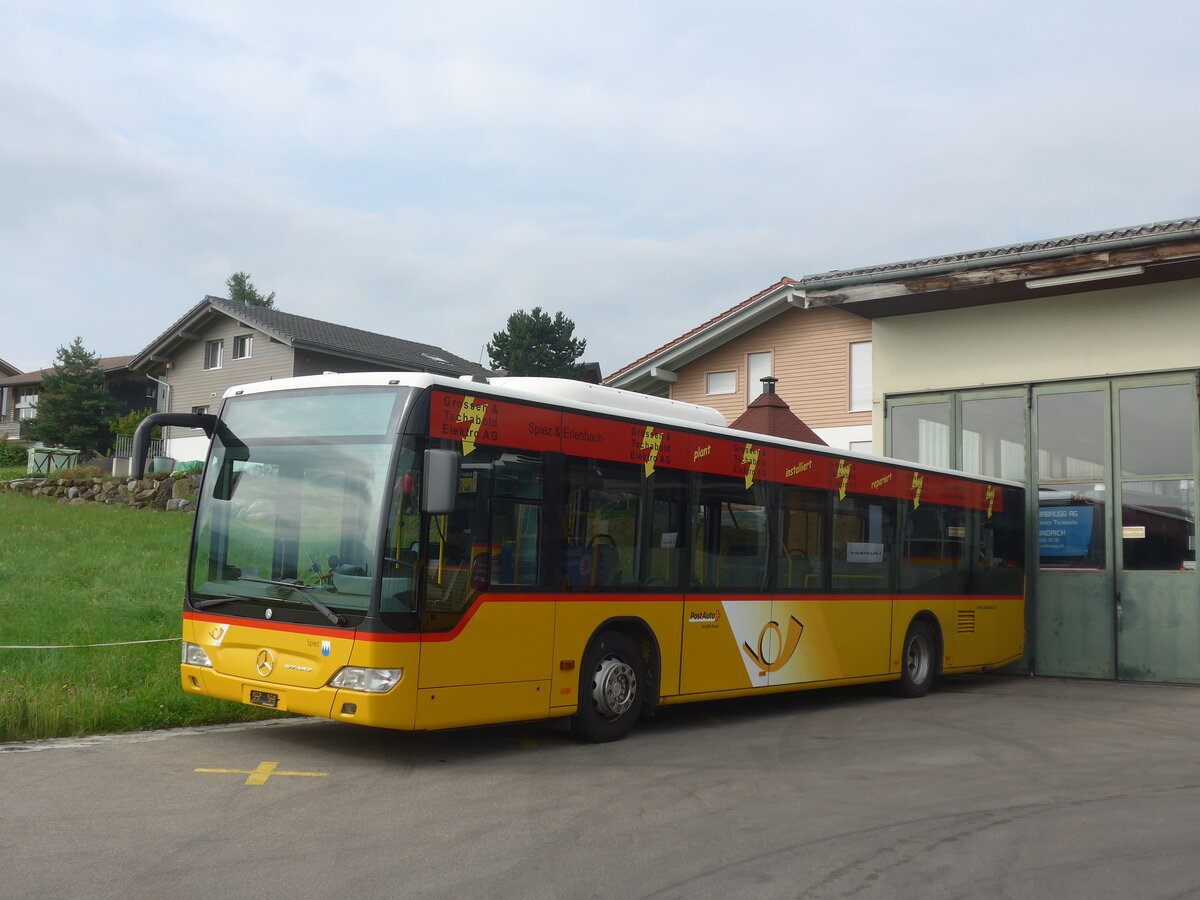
598	400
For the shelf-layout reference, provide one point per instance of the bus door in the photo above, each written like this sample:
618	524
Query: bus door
728	643
486	630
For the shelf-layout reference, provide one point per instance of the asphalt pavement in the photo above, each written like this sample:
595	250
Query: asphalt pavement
990	787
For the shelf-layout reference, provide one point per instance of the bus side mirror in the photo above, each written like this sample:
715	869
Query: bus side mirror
441	482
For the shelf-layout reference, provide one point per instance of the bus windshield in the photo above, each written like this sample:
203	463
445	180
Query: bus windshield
288	520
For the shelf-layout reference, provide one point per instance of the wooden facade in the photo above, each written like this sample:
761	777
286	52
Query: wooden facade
810	357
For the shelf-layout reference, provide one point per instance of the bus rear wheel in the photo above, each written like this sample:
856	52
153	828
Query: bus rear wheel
612	688
918	665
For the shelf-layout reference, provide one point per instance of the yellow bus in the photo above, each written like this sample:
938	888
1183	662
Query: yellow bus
417	552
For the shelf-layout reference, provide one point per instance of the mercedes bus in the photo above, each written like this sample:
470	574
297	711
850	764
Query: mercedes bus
416	552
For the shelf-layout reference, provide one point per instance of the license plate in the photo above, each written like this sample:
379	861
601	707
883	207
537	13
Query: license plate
264	698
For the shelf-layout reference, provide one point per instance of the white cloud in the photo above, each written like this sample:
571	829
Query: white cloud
426	170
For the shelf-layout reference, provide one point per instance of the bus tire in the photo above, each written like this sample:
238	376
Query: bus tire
918	661
612	688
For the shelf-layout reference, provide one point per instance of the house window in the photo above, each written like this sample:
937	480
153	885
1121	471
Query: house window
860	376
241	346
27	399
199	410
212	354
152	391
720	383
758	367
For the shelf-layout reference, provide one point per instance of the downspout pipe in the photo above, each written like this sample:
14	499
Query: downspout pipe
166	404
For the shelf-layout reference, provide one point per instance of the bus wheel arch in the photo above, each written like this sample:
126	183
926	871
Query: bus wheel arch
618	680
920	656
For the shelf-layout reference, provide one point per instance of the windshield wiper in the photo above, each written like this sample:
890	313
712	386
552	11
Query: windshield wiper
336	618
294	585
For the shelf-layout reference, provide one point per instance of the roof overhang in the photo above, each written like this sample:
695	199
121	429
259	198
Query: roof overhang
1023	276
652	374
189	329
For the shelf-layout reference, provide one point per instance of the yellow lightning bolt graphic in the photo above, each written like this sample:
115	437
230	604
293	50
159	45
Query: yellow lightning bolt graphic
843	472
653	443
473	414
750	457
918	484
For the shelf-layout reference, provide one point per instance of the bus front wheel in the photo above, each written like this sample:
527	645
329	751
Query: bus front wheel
612	688
918	665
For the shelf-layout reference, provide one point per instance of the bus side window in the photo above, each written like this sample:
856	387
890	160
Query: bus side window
998	566
934	537
600	525
455	547
800	547
516	519
863	538
732	537
665	511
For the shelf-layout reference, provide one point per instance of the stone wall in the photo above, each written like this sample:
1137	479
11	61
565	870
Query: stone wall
162	491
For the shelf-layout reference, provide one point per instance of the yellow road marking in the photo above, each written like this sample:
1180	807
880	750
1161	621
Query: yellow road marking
263	771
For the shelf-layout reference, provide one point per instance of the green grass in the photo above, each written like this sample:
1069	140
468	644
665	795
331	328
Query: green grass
89	575
8	473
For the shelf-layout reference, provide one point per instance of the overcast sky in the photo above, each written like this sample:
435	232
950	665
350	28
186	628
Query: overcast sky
423	169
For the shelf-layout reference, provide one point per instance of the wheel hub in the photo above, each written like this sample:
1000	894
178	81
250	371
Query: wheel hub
614	687
918	661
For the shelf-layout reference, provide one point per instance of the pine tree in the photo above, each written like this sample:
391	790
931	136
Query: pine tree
534	344
242	290
74	407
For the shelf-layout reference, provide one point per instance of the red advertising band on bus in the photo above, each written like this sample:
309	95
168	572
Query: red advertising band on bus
484	420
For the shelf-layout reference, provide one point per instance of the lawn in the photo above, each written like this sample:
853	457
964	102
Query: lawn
76	575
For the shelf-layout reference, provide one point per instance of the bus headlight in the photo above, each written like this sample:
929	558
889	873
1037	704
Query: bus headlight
194	655
374	681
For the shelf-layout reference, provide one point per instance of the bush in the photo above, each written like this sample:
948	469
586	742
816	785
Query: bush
11	454
128	423
77	473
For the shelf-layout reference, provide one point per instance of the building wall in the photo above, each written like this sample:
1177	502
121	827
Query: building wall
192	385
811	360
842	438
1099	333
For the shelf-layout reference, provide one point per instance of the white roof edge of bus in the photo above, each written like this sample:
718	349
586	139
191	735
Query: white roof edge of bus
664	411
612	398
564	390
339	379
754	437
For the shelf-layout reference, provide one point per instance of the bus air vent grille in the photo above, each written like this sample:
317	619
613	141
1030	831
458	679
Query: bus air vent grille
966	621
